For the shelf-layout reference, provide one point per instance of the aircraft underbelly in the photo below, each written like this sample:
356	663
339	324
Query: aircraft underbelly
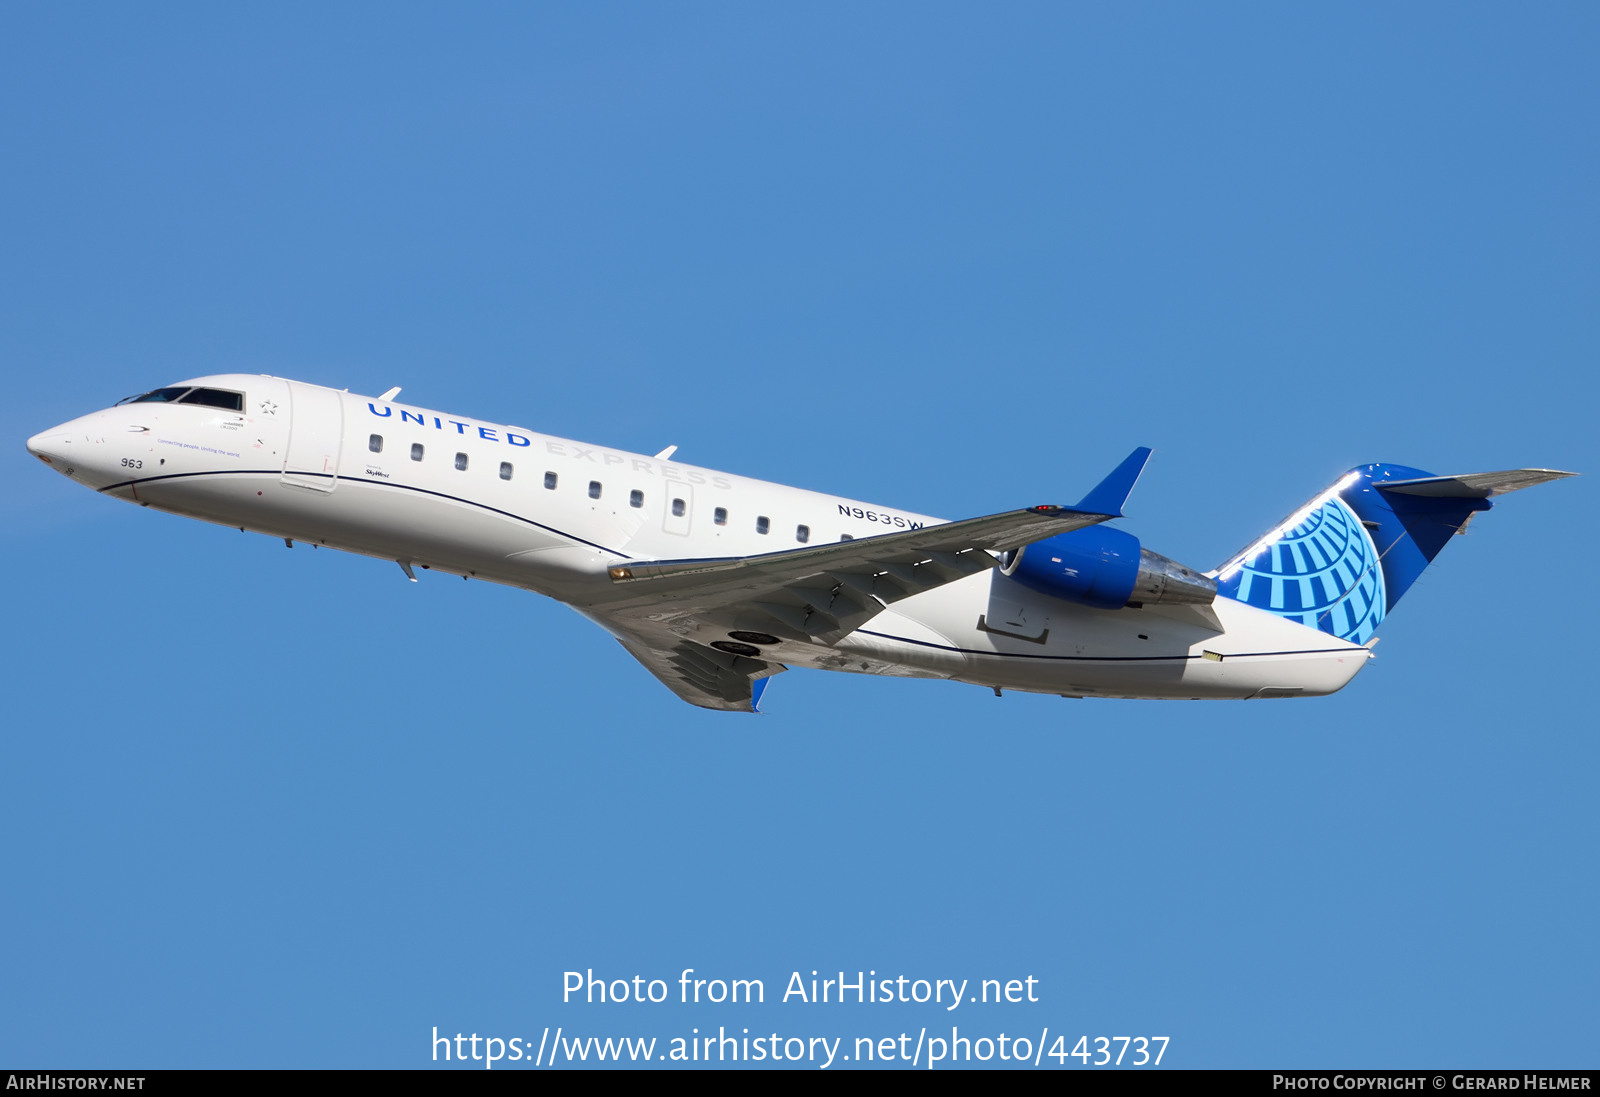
1047	645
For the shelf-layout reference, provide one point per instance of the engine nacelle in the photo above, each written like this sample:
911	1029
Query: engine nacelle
1105	568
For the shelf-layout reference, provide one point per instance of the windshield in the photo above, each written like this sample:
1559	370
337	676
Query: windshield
184	394
158	396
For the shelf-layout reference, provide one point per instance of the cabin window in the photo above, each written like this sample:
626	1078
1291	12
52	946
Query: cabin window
762	524
416	451
678	508
375	443
802	534
461	462
594	489
550	480
720	516
636	498
505	470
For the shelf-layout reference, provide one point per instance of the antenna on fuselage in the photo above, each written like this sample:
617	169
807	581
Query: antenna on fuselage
391	394
664	455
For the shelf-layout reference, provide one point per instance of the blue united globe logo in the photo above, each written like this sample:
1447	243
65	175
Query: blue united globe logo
1323	573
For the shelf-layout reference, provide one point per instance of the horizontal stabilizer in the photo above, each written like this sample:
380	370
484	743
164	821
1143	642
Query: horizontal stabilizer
1111	494
1473	485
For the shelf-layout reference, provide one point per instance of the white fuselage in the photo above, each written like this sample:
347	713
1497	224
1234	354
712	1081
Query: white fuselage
512	506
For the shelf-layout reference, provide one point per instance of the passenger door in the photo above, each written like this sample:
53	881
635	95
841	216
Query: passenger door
316	431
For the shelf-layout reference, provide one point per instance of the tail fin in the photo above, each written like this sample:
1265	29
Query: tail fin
1342	561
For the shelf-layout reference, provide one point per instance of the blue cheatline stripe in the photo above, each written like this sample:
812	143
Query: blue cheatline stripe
374	484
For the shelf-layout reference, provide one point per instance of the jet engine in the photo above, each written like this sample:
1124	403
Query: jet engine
1107	569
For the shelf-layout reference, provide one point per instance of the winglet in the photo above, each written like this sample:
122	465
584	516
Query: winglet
757	688
1110	494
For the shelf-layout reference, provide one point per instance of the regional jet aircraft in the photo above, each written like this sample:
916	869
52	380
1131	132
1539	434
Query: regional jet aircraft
716	582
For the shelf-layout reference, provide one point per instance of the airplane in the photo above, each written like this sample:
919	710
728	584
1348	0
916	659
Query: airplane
715	582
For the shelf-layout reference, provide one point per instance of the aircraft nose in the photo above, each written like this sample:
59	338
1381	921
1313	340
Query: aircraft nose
51	446
75	450
88	449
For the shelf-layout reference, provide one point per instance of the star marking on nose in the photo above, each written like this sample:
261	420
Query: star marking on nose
268	408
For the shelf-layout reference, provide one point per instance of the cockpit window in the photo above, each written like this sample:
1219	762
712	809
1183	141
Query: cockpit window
159	396
184	394
214	398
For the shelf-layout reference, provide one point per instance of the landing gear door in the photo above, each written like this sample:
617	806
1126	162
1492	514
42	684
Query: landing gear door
316	431
679	509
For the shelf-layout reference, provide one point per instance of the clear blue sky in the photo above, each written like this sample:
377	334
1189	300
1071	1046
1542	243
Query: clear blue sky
274	808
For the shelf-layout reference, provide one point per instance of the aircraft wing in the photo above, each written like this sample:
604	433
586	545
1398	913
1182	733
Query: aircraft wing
821	592
703	676
828	591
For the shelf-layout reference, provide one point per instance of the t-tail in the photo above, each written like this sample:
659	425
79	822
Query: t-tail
1342	561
